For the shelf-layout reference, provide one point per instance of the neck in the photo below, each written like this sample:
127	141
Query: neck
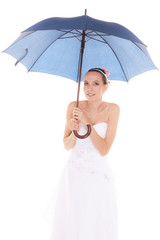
93	106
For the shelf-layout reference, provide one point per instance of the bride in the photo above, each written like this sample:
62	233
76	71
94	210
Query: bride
86	206
93	111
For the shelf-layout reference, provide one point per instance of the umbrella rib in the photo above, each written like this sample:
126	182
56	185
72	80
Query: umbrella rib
76	35
142	50
78	31
70	37
45	50
114	54
139	47
89	38
69	31
93	34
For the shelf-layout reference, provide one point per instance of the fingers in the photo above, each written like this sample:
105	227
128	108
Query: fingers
74	124
79	114
75	109
76	113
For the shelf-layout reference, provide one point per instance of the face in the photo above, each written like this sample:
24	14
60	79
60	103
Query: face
94	87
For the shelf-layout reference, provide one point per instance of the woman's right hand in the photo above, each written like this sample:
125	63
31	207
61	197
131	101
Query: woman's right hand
74	124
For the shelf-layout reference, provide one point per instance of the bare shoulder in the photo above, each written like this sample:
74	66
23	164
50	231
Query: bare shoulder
114	107
112	110
70	110
111	106
71	105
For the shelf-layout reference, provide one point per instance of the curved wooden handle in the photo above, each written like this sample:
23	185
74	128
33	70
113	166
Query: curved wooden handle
83	136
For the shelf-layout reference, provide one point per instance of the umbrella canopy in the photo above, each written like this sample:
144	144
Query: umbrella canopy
53	46
56	46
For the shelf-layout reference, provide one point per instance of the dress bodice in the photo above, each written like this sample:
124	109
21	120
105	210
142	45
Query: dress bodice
84	155
85	147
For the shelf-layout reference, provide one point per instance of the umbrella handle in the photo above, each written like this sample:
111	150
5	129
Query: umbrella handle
83	136
79	80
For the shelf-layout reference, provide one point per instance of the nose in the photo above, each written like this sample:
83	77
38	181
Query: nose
90	87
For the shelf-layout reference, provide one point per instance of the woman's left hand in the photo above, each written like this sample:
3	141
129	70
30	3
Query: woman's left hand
80	115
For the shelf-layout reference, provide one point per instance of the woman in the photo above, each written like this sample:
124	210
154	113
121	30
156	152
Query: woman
93	111
86	206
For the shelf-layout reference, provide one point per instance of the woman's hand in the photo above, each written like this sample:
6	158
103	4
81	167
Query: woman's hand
74	124
80	115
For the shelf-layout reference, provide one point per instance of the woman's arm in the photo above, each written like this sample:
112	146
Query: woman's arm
104	145
71	124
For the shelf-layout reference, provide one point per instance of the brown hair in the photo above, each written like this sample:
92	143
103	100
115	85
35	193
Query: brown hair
100	70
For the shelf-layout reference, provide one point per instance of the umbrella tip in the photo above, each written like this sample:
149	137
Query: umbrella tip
85	11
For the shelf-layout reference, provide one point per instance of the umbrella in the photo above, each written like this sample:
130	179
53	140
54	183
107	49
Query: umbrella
59	46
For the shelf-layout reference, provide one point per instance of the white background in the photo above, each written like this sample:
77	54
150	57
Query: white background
32	120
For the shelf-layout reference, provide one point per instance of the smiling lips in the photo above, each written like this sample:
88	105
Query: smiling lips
90	94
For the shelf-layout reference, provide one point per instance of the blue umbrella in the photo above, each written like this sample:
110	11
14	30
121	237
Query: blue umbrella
59	46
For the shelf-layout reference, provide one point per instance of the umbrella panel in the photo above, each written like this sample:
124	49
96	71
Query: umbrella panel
57	52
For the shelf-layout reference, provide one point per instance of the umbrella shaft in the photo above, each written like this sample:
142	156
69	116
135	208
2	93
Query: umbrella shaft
80	65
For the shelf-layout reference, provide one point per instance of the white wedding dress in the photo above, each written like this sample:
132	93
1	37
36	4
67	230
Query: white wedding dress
86	204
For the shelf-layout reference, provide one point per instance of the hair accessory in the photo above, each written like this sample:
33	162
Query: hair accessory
103	71
106	71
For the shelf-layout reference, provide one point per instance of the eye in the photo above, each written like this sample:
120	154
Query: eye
85	83
96	83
